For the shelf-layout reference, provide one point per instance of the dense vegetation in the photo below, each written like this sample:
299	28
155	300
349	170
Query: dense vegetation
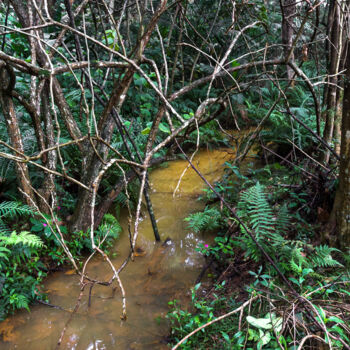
95	93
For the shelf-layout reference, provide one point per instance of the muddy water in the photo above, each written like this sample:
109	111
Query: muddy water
159	275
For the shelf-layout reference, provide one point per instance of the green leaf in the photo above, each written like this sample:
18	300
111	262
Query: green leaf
164	128
321	313
335	319
277	324
226	337
340	331
127	123
146	131
265	339
264	323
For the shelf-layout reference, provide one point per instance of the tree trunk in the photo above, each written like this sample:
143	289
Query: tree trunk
14	132
288	14
333	70
342	201
47	190
81	218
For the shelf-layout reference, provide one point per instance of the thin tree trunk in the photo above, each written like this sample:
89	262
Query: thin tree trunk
333	69
342	201
147	187
337	122
48	188
14	133
81	216
288	14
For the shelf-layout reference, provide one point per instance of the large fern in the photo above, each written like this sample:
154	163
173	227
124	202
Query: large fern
11	209
270	230
24	237
261	218
206	220
322	257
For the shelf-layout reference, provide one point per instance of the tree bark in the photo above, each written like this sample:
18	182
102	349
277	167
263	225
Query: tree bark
342	200
332	94
47	190
14	133
288	13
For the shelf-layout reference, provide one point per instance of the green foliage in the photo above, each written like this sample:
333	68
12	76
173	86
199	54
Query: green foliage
322	257
207	220
314	271
108	231
11	209
222	250
20	270
183	321
105	236
279	128
24	237
270	230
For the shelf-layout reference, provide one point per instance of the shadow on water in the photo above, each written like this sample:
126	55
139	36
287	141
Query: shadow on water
160	273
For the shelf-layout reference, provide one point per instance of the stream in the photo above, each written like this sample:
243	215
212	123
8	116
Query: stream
162	273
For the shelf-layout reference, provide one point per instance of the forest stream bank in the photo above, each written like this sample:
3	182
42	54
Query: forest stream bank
159	274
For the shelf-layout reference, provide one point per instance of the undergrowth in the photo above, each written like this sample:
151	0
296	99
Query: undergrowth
303	303
28	255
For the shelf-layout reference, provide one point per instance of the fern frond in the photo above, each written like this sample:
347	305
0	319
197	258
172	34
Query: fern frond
110	225
24	237
296	268
11	209
282	222
4	252
206	220
322	257
122	199
4	229
259	210
22	302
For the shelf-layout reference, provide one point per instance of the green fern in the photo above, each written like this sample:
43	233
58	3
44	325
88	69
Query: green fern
12	209
261	217
24	237
21	301
270	230
206	220
255	210
283	222
111	225
322	257
4	228
4	253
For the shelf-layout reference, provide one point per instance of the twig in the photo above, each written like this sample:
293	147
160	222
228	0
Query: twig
213	321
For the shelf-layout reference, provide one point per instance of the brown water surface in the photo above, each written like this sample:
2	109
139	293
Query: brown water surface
159	275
